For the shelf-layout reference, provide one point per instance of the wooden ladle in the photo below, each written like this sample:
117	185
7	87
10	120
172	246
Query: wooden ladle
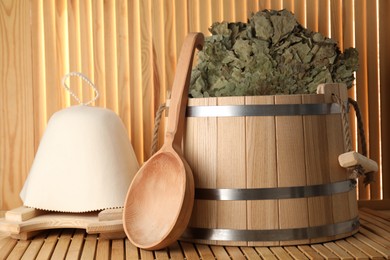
159	202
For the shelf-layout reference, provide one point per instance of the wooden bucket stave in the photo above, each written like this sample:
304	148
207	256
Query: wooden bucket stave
269	153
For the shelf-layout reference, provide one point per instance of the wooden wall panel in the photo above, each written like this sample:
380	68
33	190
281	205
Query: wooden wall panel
129	49
384	65
16	100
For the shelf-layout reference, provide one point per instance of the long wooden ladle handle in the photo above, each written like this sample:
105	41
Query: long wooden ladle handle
179	96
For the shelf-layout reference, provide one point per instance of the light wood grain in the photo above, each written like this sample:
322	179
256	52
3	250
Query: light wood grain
16	102
231	169
293	213
384	65
317	165
75	244
129	49
261	165
201	150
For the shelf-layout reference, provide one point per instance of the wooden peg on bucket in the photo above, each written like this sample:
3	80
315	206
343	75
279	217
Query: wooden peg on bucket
352	159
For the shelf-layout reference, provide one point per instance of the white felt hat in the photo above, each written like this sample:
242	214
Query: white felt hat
85	162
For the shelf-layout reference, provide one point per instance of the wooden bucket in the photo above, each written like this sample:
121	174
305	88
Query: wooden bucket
266	170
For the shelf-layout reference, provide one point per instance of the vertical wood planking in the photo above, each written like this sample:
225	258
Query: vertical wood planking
111	68
336	22
147	75
261	168
231	172
276	4
361	75
312	15
158	48
123	63
87	47
74	44
293	213
316	164
99	60
137	133
16	100
53	89
373	124
228	11
88	36
300	11
323	17
216	11
38	71
384	53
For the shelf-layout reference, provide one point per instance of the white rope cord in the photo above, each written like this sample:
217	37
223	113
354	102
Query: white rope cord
86	79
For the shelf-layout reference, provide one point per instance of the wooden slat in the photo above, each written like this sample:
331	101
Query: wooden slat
317	166
265	253
384	53
352	250
373	254
200	149
336	22
34	247
6	247
89	248
130	250
293	213
219	252
311	15
49	244
74	44
123	63
18	250
63	244
280	252
235	252
295	252
342	254
310	252
323	17
103	249
374	237
250	253
161	254
117	249
189	250
175	251
231	168
261	168
76	245
300	11
324	252
87	49
379	248
148	88
137	134
204	251
372	127
145	254
361	74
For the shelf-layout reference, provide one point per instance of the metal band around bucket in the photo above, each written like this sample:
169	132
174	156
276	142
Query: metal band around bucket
273	234
276	193
264	110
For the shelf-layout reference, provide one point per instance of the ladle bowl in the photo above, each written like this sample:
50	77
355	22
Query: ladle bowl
159	202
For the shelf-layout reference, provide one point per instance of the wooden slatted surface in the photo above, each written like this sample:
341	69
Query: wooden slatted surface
372	242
